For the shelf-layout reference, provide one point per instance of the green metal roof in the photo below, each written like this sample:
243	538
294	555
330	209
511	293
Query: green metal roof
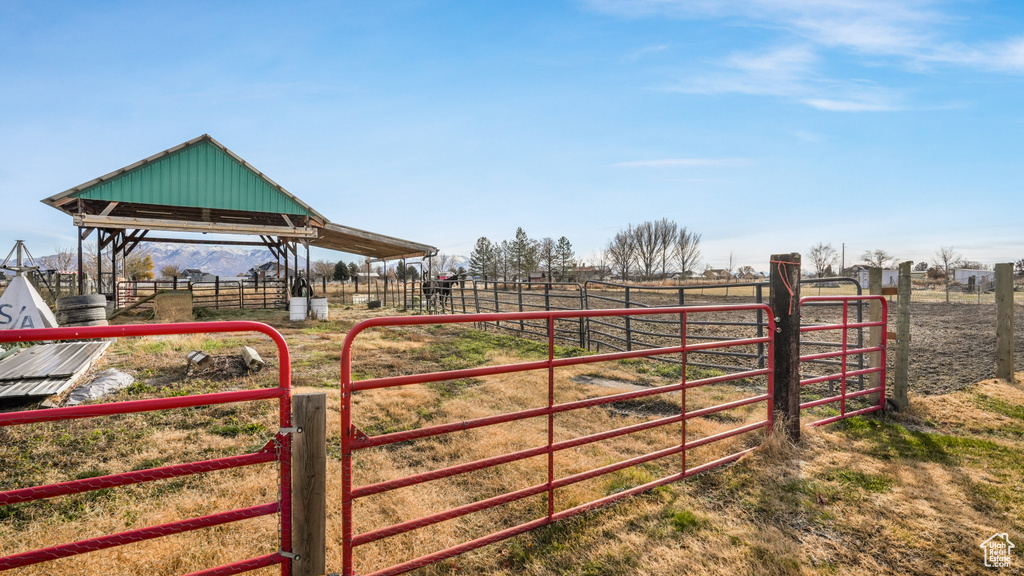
200	173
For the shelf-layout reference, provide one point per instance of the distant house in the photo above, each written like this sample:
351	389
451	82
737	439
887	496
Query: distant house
538	277
196	275
750	276
718	274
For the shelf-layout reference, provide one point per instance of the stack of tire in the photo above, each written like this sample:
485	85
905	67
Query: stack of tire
86	310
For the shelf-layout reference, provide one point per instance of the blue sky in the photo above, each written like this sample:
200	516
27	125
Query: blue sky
765	125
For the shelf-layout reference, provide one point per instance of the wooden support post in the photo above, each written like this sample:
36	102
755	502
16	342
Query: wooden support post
309	484
785	304
901	378
874	332
1004	322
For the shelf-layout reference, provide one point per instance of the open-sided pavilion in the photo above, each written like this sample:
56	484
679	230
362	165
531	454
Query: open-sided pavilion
200	187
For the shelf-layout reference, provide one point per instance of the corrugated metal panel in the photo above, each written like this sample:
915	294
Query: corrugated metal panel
47	369
201	175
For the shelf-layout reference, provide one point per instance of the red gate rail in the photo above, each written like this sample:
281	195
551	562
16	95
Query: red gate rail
843	355
353	440
277	450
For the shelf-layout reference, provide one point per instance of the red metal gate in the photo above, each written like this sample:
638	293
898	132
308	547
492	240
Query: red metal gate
353	440
277	450
843	356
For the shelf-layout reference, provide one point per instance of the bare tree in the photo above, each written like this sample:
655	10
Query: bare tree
440	263
547	256
878	258
823	256
687	251
621	251
601	260
64	259
645	238
945	259
323	268
665	232
169	271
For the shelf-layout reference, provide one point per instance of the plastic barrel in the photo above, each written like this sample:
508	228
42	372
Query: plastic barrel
297	309
318	307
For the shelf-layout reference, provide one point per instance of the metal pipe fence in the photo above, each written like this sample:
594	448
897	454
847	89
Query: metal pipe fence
626	333
277	450
841	369
271	293
676	455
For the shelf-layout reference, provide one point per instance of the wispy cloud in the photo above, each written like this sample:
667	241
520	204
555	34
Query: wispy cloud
914	35
646	51
682	162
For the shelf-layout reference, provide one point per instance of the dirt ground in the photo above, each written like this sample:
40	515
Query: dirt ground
953	345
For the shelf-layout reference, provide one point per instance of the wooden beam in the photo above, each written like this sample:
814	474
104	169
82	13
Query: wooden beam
149	240
110	208
124	223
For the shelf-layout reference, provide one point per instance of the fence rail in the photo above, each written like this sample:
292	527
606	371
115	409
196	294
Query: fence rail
841	358
277	450
354	440
271	293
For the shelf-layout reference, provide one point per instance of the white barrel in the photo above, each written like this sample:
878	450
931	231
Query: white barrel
318	307
297	309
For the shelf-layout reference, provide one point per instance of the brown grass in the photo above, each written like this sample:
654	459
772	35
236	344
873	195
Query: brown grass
913	493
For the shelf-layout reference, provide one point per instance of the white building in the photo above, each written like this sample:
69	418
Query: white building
889	278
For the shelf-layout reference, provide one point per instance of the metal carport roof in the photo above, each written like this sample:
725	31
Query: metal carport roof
201	186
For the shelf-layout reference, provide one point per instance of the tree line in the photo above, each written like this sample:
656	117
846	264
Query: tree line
517	259
652	249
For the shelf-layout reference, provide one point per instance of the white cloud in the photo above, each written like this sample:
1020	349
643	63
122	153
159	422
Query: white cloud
913	34
682	162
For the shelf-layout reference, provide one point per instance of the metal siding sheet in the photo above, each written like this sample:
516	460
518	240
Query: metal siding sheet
199	176
50	360
46	369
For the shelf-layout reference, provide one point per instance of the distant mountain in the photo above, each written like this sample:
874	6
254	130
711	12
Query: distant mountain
226	261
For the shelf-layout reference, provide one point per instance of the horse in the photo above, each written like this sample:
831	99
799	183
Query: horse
438	292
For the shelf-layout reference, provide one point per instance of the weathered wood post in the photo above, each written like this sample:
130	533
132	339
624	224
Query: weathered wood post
901	377
874	332
785	304
1004	322
309	484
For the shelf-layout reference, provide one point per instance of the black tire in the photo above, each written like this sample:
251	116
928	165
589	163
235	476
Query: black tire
82	302
65	317
90	323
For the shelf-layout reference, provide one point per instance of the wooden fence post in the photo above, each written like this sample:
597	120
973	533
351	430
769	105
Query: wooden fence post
785	304
309	484
1004	322
901	377
874	332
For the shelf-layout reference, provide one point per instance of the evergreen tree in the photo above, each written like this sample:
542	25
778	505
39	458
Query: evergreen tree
481	259
523	255
341	271
565	260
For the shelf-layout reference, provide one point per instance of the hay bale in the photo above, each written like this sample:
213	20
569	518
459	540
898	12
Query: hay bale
173	306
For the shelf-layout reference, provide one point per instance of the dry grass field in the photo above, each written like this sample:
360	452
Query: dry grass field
909	493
